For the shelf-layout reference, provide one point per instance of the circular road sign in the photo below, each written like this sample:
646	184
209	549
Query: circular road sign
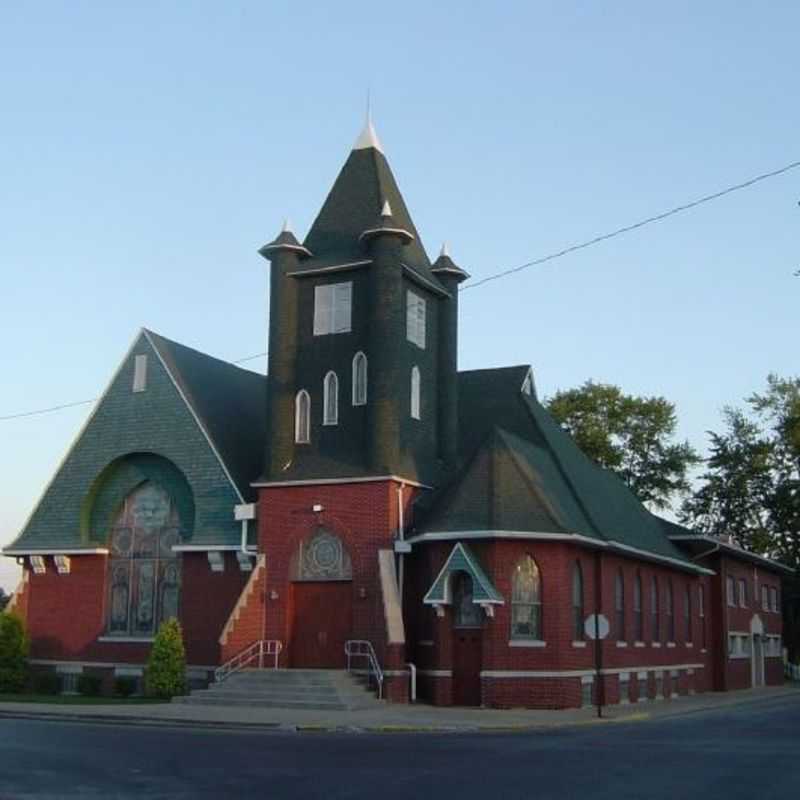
602	626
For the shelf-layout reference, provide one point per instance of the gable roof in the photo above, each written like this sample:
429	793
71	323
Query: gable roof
462	559
525	475
228	402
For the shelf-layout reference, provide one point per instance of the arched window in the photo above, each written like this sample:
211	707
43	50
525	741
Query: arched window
670	612
638	622
701	609
526	600
359	379
144	573
415	393
467	614
302	417
655	633
577	602
619	605
330	400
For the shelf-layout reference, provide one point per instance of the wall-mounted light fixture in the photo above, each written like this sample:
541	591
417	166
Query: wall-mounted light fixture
362	593
273	595
317	508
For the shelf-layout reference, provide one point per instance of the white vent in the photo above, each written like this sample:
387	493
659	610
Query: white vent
140	373
415	319
332	308
62	564
37	565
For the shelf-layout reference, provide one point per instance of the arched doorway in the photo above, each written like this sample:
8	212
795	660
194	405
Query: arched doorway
321	602
467	642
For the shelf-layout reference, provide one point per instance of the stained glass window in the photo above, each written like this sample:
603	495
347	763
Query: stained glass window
577	601
144	574
526	601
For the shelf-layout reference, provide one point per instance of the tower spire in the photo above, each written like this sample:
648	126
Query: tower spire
368	138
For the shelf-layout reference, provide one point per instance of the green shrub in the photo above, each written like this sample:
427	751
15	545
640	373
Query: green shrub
89	685
47	683
13	653
165	675
124	687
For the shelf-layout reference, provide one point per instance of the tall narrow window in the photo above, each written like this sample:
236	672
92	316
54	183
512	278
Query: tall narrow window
701	603
687	612
330	400
332	308
637	609
526	601
359	379
731	590
655	633
764	597
619	604
415	393
302	417
140	373
577	602
415	319
742	593
773	598
670	612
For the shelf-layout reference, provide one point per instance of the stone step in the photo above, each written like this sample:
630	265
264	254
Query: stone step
249	702
234	693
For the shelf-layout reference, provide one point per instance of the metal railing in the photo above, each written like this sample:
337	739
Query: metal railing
256	652
360	648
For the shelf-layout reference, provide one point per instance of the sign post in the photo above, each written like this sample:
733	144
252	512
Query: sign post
596	628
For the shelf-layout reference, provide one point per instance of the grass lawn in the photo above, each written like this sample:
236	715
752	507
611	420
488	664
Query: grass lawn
77	700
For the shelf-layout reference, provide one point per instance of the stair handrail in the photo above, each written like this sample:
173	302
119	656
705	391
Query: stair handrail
256	651
361	648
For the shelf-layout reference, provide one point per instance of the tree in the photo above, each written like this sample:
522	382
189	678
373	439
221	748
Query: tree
165	675
13	653
632	436
4	599
751	487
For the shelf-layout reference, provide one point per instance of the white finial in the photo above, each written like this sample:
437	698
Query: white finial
445	252
368	138
386	211
287	226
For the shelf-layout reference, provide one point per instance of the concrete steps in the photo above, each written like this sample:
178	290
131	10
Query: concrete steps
331	690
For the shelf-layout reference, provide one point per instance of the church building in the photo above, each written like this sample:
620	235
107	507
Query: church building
367	501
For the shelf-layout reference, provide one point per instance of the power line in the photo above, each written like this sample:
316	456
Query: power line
628	228
536	262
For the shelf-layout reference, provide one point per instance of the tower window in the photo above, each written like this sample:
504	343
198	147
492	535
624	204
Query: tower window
302	417
415	393
359	379
330	405
332	308
140	373
415	319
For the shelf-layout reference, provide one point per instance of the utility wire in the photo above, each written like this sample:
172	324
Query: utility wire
628	228
536	262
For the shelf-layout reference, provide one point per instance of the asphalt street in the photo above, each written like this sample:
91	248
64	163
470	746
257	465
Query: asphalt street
750	751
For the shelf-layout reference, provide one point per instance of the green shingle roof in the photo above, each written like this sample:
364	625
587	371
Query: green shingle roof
462	559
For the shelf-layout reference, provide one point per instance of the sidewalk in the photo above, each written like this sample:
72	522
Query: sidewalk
388	718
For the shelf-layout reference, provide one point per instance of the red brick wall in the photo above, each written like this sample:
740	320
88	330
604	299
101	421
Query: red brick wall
249	626
363	515
66	613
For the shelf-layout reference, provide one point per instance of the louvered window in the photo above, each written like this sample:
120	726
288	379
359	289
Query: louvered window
332	308
415	319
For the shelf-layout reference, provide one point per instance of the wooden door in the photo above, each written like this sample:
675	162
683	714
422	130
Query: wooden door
467	647
322	622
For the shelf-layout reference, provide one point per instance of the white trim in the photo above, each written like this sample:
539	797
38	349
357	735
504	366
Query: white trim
127	639
527	643
46	551
336	481
577	538
204	548
416	393
639	644
622	644
446	599
655	644
579	643
386	229
423	282
333	268
128	672
436	673
670	644
194	415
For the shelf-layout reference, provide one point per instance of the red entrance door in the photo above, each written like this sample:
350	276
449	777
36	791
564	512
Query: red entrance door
322	621
467	647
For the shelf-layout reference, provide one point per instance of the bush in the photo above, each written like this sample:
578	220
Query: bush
89	685
125	687
47	683
165	675
13	653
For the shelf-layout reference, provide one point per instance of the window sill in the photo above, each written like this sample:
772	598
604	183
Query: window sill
670	644
622	644
703	650
656	644
527	643
689	645
639	644
579	644
127	639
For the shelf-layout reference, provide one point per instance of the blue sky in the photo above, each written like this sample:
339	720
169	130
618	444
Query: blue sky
149	149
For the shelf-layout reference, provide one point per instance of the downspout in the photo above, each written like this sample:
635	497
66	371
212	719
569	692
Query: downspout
598	642
400	536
